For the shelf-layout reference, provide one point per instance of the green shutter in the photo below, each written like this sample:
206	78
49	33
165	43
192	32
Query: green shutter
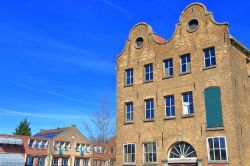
213	107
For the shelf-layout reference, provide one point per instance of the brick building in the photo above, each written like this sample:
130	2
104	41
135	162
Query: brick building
12	151
104	153
67	146
184	101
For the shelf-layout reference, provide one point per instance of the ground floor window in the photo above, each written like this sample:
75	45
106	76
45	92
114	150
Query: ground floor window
85	162
129	153
111	163
77	162
182	150
65	161
217	149
41	160
102	162
30	161
150	154
55	161
95	162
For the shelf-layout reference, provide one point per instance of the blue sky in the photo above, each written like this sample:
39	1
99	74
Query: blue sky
57	57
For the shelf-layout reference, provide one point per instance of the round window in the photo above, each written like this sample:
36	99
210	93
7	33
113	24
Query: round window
139	42
193	25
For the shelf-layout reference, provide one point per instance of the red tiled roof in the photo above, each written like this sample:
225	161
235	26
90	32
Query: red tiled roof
159	39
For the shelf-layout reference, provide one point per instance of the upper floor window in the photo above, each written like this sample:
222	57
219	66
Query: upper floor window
185	63
150	152
129	154
170	108
148	71
188	107
129	112
31	143
129	77
209	57
149	106
217	149
168	68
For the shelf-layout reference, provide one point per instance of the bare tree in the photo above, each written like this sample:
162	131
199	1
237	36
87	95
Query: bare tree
101	126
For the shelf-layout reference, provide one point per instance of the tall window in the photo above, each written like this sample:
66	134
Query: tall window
129	77
168	68
185	63
85	162
150	152
129	112
30	161
77	162
31	143
217	149
209	57
170	109
102	162
41	161
55	161
95	162
65	161
148	70
129	154
213	107
188	106
149	106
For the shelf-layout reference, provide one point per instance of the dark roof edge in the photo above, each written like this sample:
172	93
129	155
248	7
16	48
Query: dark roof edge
240	46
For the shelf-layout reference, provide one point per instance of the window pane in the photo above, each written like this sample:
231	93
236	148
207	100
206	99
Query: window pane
216	142
183	68
223	154
217	154
211	155
222	143
210	143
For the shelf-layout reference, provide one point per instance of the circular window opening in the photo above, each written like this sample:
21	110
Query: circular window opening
139	42
193	25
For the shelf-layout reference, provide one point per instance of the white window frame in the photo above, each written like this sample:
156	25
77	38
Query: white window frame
131	112
150	109
129	163
168	68
208	150
187	104
210	57
150	71
170	106
131	78
186	63
144	160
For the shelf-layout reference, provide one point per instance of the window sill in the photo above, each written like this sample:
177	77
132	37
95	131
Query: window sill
128	123
188	115
128	85
210	67
214	128
185	73
129	164
169	118
218	162
150	164
168	77
148	120
148	81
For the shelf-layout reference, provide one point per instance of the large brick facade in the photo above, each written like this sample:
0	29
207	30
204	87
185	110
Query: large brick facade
230	74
